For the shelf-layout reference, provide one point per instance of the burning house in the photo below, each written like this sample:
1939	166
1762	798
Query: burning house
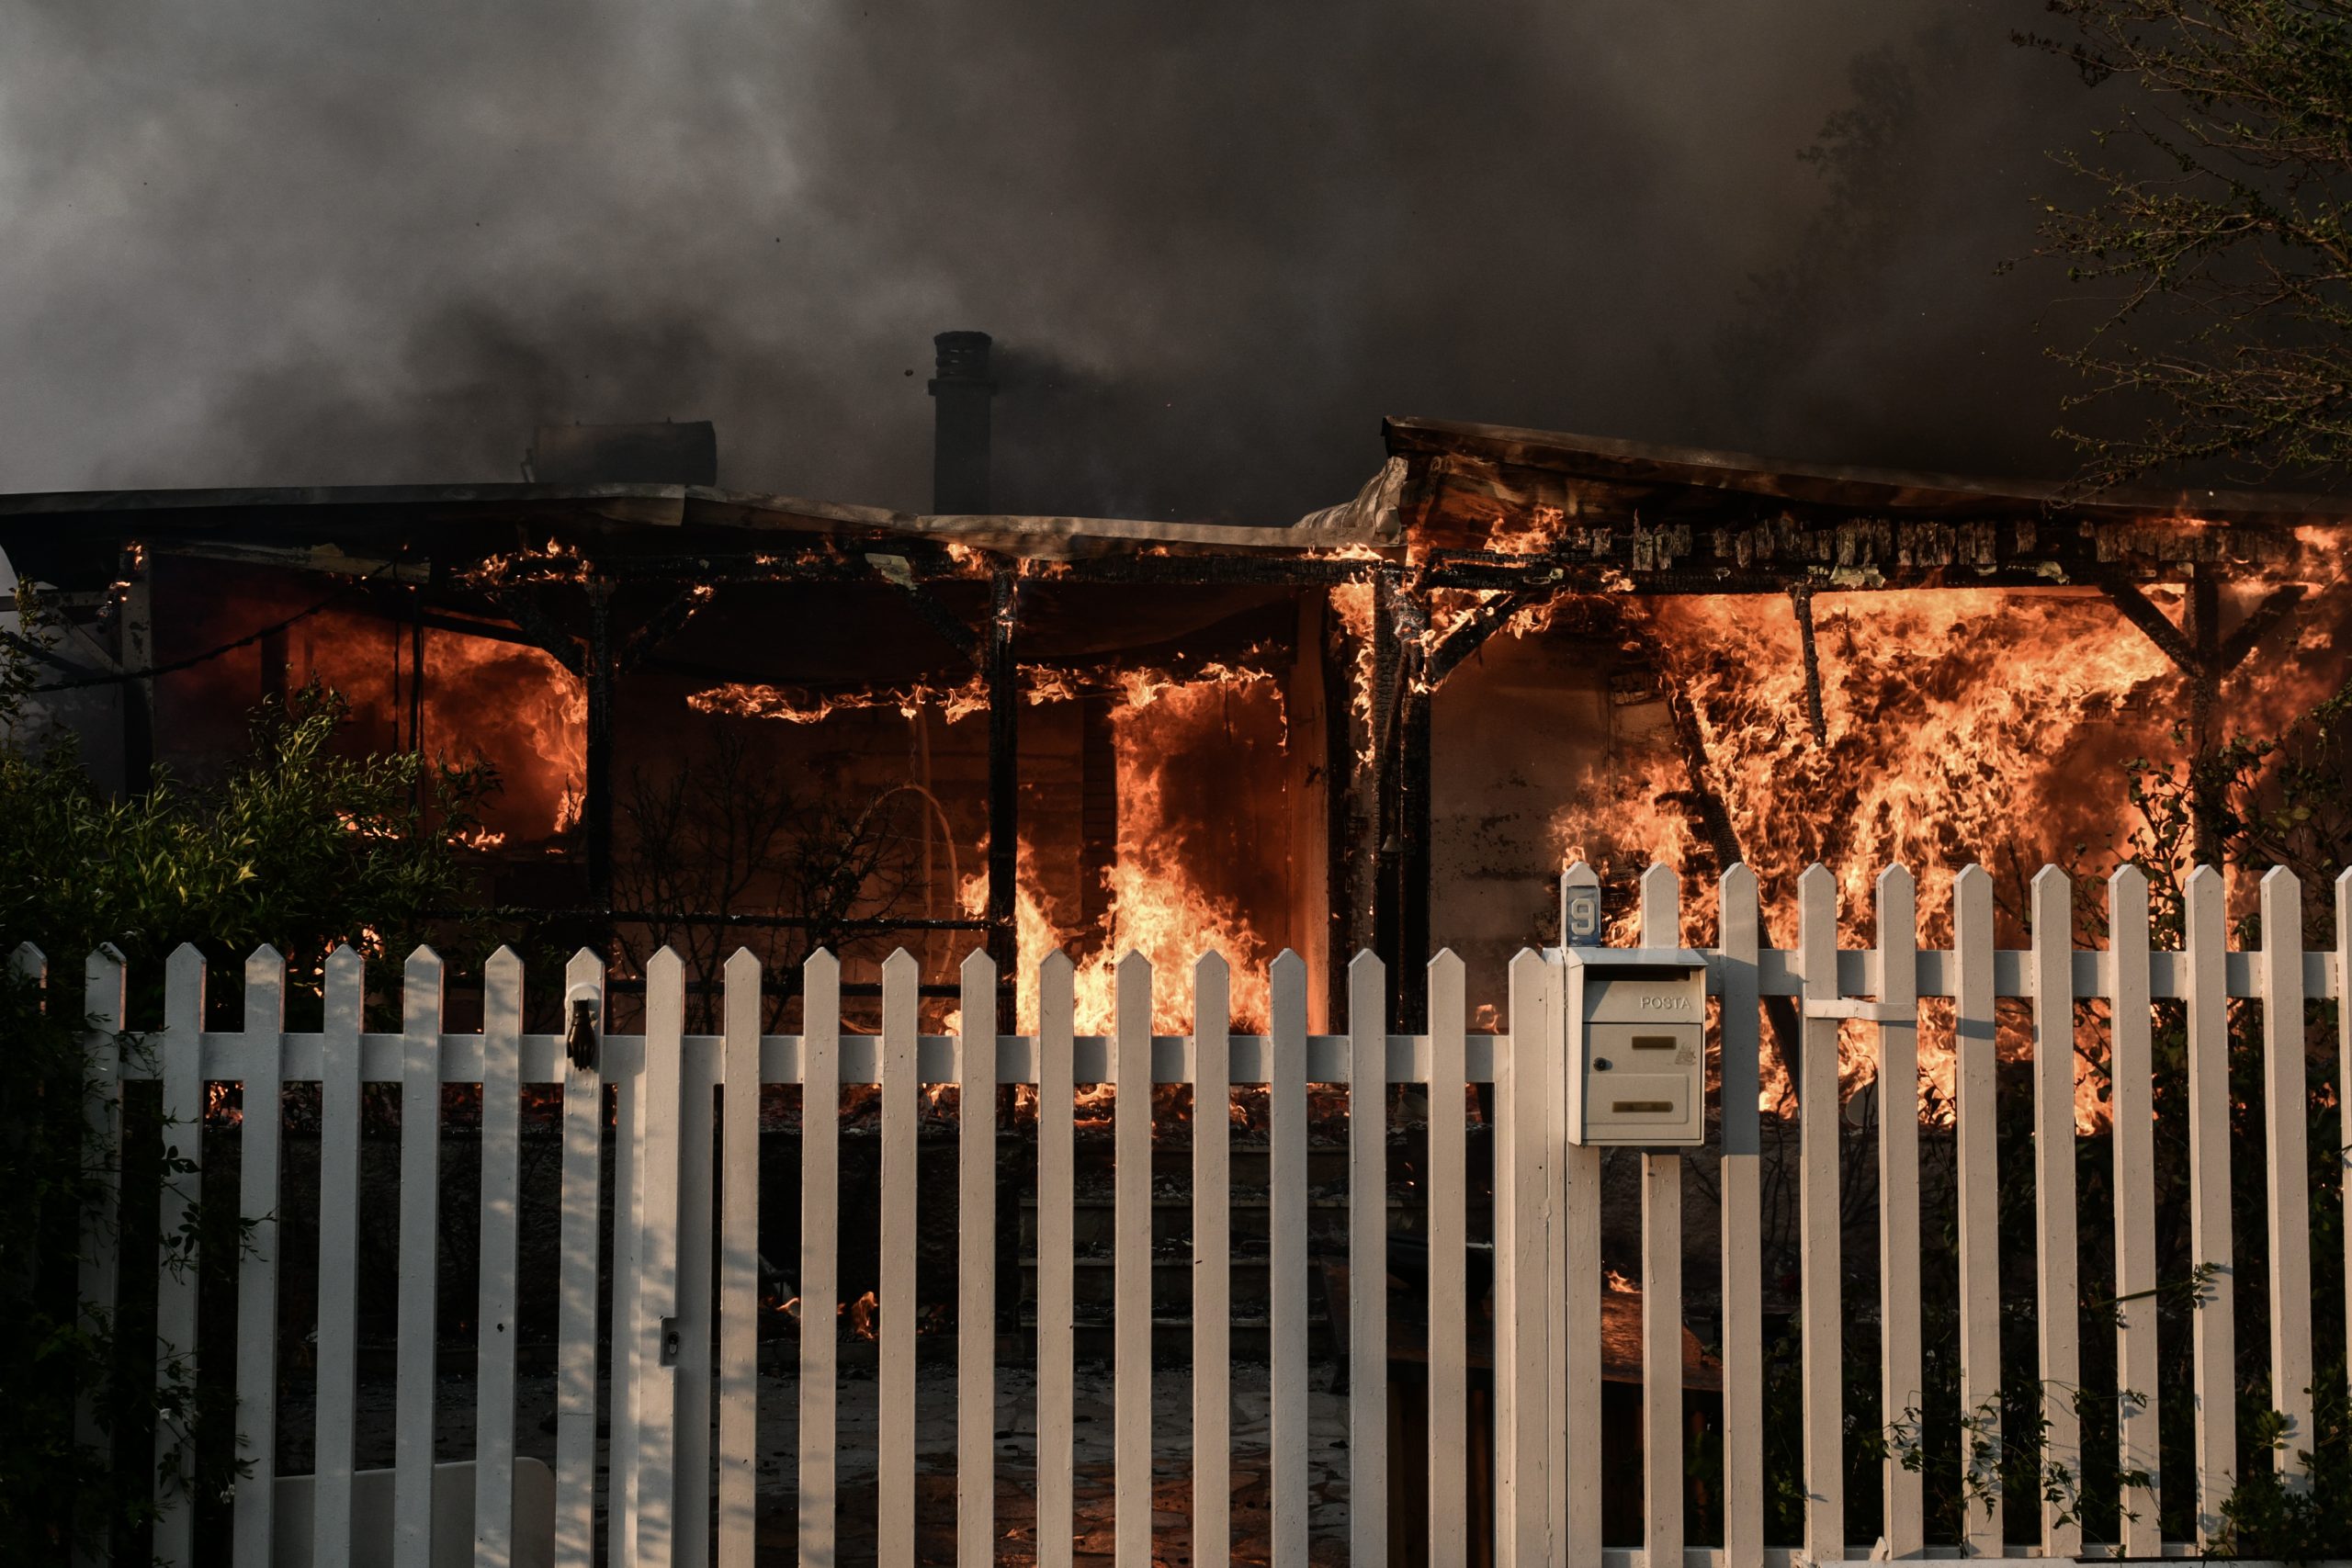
720	716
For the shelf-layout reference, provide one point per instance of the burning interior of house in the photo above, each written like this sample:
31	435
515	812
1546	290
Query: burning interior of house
721	719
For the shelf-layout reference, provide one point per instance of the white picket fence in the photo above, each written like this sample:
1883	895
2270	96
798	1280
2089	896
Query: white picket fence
681	1345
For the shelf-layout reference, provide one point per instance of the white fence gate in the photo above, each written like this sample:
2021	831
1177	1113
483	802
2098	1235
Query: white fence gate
682	1346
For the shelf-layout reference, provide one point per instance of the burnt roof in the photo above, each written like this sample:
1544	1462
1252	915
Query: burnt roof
1474	505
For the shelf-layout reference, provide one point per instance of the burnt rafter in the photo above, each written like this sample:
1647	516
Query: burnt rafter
2186	656
2259	624
1469	634
2135	607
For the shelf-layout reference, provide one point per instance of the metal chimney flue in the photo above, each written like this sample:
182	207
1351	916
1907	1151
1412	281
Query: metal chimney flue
961	392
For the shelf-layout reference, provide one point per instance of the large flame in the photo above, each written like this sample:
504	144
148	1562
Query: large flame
1159	906
1958	726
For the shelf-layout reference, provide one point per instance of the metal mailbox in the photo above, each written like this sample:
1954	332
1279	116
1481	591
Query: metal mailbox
1635	1027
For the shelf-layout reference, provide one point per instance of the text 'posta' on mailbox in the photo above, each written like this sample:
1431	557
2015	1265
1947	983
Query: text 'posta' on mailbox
1635	1027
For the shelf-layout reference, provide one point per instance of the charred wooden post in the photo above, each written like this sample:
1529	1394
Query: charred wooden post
1713	816
1801	602
1003	677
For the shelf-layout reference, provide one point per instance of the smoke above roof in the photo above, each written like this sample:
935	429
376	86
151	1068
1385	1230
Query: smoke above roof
282	244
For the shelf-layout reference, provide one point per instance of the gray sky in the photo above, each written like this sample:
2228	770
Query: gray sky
308	241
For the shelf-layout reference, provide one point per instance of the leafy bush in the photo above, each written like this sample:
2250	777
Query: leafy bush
301	847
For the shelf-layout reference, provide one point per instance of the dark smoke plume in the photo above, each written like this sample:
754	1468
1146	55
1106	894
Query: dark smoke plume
274	243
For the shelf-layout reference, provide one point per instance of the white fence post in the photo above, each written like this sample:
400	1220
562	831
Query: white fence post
581	1232
417	1373
895	1301
738	1265
2057	1277
254	1522
1131	1265
1661	1288
1367	1261
1977	1136
1820	1245
182	1065
2133	1104
1742	1182
1900	1381
1212	1263
698	1071
103	999
1449	1320
821	1110
494	1319
2286	1103
1057	1190
338	1361
1524	1372
1286	1284
652	1327
976	1269
2213	1336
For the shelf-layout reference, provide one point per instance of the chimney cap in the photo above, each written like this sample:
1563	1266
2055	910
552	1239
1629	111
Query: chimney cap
963	361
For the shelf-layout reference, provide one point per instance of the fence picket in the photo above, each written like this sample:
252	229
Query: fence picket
1449	1333
253	1519
1212	1263
2130	1072
627	1072
897	1306
581	1235
2056	1273
976	1270
1741	1178
181	1061
1661	920
1131	1265
1367	1261
739	1265
655	1304
1522	1297
821	1110
104	1000
1976	1137
1287	1274
2286	1104
416	1371
690	1462
1056	1191
2213	1337
502	1091
1819	1245
1900	1384
338	1261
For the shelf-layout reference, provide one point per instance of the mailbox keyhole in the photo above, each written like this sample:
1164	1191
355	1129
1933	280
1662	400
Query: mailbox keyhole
1602	1063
